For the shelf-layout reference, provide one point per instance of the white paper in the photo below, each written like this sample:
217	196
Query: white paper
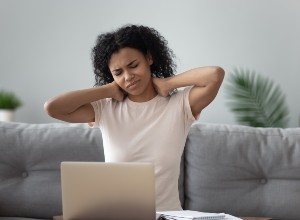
187	214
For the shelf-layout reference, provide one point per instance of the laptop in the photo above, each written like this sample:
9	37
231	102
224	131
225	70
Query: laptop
108	191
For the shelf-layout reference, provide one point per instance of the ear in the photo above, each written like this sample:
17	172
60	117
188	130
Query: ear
149	58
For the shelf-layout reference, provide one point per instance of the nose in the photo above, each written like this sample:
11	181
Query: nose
128	76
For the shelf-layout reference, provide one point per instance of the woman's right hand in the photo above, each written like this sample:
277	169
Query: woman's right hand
117	93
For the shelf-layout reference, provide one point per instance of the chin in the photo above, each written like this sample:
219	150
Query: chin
135	92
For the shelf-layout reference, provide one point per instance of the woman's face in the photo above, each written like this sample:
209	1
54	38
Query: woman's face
130	69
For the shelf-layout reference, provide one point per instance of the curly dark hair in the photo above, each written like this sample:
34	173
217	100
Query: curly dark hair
142	38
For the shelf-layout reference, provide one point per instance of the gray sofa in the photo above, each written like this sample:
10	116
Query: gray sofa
238	170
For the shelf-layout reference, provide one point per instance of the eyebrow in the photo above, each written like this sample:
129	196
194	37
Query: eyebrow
129	64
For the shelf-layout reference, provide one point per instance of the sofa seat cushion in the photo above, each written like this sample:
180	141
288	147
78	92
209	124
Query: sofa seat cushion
243	171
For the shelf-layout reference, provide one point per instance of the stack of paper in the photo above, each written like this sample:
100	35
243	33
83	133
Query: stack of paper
194	215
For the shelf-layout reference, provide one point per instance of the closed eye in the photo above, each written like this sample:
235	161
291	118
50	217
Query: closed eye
117	72
133	66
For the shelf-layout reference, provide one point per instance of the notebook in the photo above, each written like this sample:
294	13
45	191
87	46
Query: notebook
194	215
108	191
191	215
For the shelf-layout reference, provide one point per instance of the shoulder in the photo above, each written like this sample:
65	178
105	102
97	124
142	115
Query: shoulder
107	103
181	93
179	98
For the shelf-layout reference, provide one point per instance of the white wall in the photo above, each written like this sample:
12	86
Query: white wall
46	44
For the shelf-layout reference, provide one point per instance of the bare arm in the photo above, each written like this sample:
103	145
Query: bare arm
206	82
75	106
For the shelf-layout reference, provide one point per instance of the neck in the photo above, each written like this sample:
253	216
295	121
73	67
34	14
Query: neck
147	95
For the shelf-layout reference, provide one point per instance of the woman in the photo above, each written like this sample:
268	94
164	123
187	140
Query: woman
135	103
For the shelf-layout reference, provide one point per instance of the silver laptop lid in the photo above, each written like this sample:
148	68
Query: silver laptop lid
108	191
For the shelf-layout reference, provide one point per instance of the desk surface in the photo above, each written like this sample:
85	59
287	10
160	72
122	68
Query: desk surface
255	218
244	218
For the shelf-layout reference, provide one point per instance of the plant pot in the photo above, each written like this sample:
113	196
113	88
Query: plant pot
7	115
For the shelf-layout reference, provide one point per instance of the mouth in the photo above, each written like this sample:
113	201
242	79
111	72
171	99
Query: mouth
132	84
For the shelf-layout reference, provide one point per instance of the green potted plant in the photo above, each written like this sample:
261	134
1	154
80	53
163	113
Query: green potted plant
9	102
256	100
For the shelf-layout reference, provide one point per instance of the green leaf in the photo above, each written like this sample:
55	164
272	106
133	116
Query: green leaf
255	100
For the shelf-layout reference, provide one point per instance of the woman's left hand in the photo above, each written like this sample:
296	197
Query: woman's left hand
161	86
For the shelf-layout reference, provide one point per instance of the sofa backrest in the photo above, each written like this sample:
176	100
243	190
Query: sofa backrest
239	170
243	171
30	157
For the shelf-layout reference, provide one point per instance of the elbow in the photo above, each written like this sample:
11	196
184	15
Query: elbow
49	108
219	74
